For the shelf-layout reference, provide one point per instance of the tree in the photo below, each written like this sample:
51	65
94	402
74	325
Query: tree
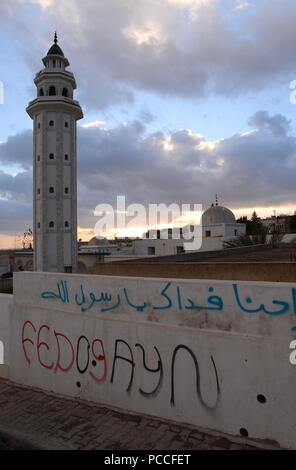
293	223
253	226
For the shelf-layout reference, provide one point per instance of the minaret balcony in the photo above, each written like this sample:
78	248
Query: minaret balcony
59	101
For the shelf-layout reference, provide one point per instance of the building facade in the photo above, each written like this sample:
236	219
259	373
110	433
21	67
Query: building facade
55	113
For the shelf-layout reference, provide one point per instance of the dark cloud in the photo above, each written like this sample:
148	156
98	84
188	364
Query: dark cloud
277	125
248	170
175	48
18	149
16	188
16	217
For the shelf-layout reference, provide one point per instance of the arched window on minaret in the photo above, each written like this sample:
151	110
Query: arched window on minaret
65	92
52	91
41	92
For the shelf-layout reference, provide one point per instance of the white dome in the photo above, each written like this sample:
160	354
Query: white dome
218	215
98	241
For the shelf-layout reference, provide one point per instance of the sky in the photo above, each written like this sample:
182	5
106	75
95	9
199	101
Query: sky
182	100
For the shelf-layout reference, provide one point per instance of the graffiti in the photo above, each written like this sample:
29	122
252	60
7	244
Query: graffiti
159	369
86	354
170	296
123	358
285	305
198	392
64	348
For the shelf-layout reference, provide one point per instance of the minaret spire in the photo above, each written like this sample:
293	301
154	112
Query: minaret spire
217	200
55	114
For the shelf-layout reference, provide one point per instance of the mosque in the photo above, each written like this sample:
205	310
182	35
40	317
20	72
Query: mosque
55	113
218	221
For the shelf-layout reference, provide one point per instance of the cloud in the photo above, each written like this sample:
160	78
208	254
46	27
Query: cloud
188	49
277	124
250	169
16	188
18	149
255	168
16	217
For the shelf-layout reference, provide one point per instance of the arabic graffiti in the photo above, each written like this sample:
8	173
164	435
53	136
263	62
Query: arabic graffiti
169	294
83	354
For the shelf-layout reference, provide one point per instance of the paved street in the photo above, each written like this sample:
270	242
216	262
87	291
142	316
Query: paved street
34	419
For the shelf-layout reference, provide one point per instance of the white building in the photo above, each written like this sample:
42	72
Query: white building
218	221
218	225
55	113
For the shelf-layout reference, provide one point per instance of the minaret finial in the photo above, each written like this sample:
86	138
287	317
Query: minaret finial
55	37
217	200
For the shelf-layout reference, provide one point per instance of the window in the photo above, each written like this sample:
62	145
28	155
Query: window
66	224
151	250
51	224
208	233
235	232
38	125
66	124
66	190
38	158
51	156
66	157
38	225
65	92
38	191
51	123
41	92
51	189
180	249
68	269
52	91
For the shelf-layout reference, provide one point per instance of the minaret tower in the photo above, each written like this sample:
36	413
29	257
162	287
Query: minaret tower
55	113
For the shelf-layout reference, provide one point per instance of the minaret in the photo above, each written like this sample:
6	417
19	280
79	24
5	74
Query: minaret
55	113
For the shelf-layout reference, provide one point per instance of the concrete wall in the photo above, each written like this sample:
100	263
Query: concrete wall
211	353
199	255
160	246
164	247
246	271
5	301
